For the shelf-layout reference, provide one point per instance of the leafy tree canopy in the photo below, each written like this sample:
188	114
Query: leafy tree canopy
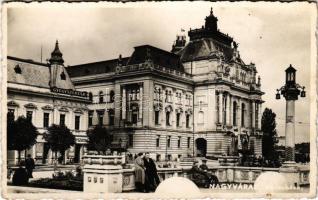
21	134
99	139
59	138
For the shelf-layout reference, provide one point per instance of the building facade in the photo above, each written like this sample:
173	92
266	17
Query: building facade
200	99
45	94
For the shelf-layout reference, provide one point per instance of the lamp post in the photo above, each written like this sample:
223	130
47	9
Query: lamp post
291	90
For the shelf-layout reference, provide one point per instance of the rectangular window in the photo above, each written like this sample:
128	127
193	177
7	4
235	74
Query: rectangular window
134	117
90	118
111	117
10	115
187	121
100	118
29	115
62	119
158	157
179	142
130	140
189	142
168	141
46	118
77	122
157	117
158	141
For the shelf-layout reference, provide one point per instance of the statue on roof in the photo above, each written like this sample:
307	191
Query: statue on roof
235	45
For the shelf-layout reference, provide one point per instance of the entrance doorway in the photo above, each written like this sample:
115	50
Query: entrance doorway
201	144
46	149
77	155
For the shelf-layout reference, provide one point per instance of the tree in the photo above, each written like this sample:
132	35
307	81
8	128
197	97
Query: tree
59	138
99	139
269	134
21	135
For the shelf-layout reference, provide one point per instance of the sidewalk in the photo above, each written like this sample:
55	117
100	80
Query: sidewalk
21	189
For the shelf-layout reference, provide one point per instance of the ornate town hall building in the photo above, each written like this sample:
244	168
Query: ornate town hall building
199	99
200	93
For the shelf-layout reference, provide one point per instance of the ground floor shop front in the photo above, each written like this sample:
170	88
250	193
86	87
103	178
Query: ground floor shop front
42	154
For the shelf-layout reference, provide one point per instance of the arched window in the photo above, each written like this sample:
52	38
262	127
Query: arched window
17	69
111	96
178	119
234	113
168	118
101	97
63	76
243	115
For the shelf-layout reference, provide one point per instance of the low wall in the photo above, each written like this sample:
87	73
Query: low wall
225	174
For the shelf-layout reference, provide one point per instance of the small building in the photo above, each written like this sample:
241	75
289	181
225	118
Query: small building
45	94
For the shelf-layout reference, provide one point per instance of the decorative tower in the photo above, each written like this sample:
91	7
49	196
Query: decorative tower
290	91
58	74
179	43
56	55
211	22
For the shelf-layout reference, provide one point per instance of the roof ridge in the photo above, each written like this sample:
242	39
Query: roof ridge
30	61
115	59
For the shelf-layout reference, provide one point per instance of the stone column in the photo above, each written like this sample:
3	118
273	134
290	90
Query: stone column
290	130
141	94
253	113
221	107
239	112
123	103
260	115
228	116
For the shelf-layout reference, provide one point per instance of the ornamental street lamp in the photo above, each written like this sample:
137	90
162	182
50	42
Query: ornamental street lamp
291	90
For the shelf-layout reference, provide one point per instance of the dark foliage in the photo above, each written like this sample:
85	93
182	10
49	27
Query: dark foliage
302	152
269	134
21	135
59	138
99	139
63	184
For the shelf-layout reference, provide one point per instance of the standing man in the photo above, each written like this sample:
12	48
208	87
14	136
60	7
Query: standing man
29	166
152	179
140	173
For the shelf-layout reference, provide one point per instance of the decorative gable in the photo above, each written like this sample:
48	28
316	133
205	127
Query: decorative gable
13	104
30	106
47	107
63	109
79	111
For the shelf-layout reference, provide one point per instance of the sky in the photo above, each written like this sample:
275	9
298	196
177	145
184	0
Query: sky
271	35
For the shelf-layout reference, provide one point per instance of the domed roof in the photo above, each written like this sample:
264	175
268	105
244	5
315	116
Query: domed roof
205	48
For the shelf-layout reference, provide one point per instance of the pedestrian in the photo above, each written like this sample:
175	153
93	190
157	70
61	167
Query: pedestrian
152	178
203	166
29	166
20	176
139	173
